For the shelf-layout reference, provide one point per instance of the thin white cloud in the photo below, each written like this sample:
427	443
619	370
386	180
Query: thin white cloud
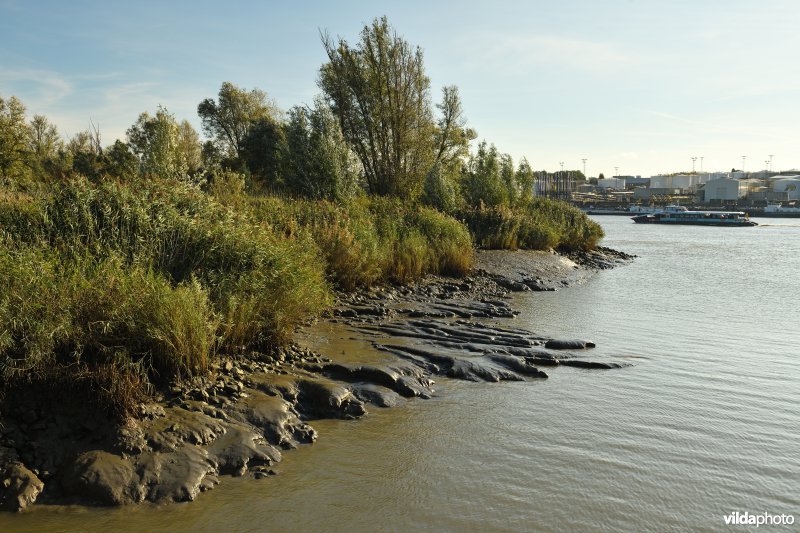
48	87
733	127
675	118
577	54
125	92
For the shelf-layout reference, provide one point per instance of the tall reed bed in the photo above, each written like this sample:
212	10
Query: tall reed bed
539	224
151	279
373	240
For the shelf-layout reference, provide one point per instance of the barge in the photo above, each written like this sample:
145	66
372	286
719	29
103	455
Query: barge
681	215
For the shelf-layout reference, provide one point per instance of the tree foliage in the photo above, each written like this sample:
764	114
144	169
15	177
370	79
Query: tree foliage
525	179
489	179
318	164
228	120
14	136
440	191
380	93
189	146
156	142
85	152
452	135
120	161
262	152
481	182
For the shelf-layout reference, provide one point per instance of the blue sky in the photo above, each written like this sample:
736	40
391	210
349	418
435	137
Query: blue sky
638	85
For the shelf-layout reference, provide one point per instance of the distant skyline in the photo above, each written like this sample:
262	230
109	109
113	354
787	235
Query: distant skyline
643	86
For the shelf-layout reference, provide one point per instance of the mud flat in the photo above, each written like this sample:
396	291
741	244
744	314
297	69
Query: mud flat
375	349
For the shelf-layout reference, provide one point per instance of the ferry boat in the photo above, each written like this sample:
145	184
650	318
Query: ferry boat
652	210
681	215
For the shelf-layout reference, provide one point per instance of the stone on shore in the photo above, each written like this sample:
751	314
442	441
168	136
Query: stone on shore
19	487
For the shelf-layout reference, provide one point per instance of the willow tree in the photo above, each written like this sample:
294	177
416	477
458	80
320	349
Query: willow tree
318	162
14	134
380	94
228	120
156	141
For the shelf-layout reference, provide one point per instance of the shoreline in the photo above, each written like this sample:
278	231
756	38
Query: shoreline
241	417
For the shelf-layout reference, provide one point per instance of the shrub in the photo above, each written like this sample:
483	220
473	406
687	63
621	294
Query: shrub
372	240
538	224
151	280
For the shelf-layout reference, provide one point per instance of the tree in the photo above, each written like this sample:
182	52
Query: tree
14	137
483	181
262	151
380	94
189	147
439	191
44	141
508	179
85	152
318	162
452	135
154	139
228	120
525	178
120	161
45	148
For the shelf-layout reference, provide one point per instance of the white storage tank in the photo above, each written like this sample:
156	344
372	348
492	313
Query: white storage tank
791	186
725	189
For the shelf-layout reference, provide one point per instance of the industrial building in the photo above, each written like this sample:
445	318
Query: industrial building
788	185
725	190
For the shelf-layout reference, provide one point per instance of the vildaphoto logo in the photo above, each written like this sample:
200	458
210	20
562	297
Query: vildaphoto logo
764	519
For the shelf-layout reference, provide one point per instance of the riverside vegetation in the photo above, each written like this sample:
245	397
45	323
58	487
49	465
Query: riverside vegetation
130	267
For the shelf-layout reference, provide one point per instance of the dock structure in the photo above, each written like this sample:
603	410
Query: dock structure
557	185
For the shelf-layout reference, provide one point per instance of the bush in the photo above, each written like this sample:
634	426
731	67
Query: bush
539	224
372	240
155	277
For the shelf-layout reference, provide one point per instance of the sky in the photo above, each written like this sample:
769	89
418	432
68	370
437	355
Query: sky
634	87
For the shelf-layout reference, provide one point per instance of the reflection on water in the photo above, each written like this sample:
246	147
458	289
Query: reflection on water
704	424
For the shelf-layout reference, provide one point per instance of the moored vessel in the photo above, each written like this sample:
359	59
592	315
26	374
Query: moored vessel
681	215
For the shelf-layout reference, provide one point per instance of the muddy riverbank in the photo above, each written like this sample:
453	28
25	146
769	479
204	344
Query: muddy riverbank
239	419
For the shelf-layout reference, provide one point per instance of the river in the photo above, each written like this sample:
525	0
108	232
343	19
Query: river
706	421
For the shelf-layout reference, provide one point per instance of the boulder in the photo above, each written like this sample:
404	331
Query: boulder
100	477
19	487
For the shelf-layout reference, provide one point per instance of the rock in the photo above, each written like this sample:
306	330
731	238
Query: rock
377	395
182	425
177	476
241	448
406	380
518	364
275	418
555	344
590	364
327	399
130	438
151	410
19	487
102	478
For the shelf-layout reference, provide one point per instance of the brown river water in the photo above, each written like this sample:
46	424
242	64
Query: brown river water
706	421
